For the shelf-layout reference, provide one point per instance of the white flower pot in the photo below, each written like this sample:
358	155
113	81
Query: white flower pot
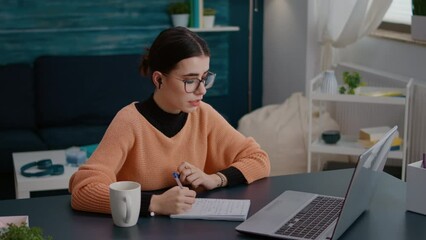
418	27
208	21
180	20
329	83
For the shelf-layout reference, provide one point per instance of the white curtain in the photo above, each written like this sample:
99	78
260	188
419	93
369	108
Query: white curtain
343	22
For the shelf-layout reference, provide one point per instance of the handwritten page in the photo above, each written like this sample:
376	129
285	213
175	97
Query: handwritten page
217	209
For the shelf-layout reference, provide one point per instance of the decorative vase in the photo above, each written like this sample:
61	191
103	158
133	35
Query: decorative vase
180	20
208	21
418	27
329	83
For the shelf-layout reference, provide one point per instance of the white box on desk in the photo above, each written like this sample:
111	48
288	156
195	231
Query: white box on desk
416	188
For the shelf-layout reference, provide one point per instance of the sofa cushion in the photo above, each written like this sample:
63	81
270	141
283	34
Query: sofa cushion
17	141
17	97
87	90
65	137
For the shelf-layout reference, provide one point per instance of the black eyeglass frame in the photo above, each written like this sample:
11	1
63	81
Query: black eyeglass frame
207	85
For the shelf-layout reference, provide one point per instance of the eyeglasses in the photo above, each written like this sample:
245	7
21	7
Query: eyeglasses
191	85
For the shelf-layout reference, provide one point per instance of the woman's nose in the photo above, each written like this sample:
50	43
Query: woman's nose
201	90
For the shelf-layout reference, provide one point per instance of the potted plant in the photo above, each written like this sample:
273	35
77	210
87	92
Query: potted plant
22	232
418	20
208	17
351	82
179	12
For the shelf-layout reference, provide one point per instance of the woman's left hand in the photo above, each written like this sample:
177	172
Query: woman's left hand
191	175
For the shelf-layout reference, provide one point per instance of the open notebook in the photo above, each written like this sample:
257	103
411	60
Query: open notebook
217	209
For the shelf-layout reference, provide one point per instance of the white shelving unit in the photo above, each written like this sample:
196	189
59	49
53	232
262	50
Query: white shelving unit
348	144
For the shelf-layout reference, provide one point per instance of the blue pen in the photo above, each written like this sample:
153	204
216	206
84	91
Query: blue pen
176	177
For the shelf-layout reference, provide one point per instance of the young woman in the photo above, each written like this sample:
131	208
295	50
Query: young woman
172	131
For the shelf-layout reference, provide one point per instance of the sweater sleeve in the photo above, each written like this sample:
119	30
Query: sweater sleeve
145	202
234	176
89	186
229	148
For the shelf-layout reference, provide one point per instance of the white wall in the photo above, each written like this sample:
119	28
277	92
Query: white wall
313	53
284	49
388	55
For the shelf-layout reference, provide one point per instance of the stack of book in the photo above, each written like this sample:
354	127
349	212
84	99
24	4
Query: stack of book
196	17
369	136
380	92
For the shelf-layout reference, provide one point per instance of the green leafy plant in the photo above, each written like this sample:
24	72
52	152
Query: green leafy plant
351	81
22	232
209	11
178	8
419	7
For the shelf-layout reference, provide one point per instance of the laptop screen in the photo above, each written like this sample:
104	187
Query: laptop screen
363	182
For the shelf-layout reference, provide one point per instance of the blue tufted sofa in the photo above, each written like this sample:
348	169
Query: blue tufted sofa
62	101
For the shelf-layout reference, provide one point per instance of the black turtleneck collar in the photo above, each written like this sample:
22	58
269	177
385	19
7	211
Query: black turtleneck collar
167	123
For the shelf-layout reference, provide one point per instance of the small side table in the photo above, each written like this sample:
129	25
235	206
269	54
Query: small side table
25	185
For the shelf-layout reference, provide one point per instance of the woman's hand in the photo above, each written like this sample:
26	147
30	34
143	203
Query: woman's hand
191	175
173	201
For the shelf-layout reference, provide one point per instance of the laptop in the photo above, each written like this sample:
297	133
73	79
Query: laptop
302	215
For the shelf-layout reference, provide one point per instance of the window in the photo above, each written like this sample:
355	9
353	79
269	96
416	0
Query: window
399	12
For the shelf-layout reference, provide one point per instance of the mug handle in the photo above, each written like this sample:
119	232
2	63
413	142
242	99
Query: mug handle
128	202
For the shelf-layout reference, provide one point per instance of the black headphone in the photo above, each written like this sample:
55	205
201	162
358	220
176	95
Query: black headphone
46	165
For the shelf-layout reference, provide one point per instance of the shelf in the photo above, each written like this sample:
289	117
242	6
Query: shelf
83	29
358	99
217	29
114	28
347	145
381	82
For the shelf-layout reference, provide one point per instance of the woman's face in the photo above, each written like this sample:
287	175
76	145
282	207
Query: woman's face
172	97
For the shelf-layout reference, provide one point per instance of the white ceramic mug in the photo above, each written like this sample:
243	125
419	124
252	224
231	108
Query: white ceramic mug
125	202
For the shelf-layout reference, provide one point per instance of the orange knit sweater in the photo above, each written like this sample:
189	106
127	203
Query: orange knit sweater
132	149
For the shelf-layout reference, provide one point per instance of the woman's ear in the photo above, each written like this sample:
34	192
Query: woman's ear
160	81
157	79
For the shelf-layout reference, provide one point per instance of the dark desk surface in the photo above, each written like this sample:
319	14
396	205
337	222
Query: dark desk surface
386	220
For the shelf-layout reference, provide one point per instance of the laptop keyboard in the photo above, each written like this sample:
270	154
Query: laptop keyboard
312	220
